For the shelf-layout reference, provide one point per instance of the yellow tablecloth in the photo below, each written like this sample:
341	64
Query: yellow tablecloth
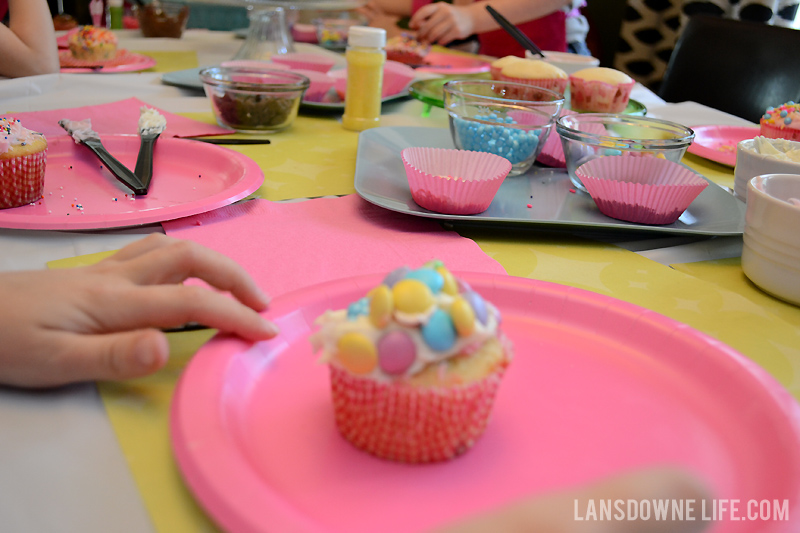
170	61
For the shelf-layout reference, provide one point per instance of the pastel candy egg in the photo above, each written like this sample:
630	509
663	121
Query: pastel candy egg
396	352
478	305
429	277
463	317
380	306
395	275
439	332
450	285
412	296
356	353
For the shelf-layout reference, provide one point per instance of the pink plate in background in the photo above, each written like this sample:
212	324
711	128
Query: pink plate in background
189	177
718	143
597	386
124	62
443	63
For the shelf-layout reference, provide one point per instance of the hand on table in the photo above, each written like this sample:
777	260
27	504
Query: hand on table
99	321
442	23
378	18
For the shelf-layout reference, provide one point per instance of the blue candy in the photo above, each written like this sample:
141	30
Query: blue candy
514	144
439	332
358	308
429	277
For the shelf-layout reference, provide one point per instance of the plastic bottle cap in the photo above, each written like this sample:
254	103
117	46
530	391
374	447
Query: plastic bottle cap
366	37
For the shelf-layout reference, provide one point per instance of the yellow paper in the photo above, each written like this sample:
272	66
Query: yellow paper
171	61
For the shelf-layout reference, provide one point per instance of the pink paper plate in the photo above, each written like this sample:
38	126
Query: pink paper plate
124	62
443	63
718	143
597	386
189	177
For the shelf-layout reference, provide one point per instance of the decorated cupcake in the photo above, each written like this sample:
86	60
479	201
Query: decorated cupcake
782	122
600	90
23	155
535	72
91	43
406	49
415	365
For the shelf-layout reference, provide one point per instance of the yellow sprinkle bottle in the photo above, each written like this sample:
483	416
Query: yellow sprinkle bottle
365	58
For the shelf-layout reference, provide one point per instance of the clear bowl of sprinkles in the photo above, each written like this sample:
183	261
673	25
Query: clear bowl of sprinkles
511	120
589	136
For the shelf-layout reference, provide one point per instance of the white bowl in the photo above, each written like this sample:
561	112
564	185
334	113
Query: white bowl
566	61
750	163
771	252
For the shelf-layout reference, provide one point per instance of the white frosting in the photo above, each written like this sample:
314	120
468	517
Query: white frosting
12	133
779	149
334	324
151	121
80	130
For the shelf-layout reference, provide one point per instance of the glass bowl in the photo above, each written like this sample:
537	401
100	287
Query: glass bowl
254	100
589	136
508	119
162	19
332	30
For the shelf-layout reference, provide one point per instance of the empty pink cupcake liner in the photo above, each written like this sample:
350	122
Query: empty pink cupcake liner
454	182
410	424
598	96
22	179
644	190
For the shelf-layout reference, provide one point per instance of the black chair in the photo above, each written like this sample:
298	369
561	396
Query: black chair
735	66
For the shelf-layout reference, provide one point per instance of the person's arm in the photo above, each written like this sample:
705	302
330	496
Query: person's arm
100	322
28	44
442	23
398	8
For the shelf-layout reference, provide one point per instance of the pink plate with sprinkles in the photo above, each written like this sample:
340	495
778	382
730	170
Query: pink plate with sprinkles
718	143
189	177
597	386
124	61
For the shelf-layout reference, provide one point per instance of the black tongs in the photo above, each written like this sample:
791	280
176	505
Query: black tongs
82	132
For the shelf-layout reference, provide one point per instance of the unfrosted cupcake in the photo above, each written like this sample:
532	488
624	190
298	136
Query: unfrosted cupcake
600	90
782	122
23	156
537	73
91	43
415	365
498	64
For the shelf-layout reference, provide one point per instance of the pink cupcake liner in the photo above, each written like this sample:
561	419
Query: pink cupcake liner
22	179
454	182
645	190
773	131
598	96
558	85
401	422
552	153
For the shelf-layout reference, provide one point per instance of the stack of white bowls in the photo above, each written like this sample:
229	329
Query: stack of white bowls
771	253
750	163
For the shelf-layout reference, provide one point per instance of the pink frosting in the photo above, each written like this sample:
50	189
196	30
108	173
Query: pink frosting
13	133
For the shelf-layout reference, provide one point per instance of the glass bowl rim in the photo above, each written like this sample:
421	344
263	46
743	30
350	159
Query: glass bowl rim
679	141
451	87
207	77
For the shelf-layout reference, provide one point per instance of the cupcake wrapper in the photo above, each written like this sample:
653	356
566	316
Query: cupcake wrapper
645	190
552	153
598	96
772	131
22	179
431	173
558	85
401	422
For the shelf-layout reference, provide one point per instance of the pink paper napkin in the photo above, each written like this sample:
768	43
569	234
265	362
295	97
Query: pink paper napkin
288	246
115	118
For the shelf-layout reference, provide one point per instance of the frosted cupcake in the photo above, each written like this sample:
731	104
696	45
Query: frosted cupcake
782	122
600	90
537	73
414	365
406	49
90	43
23	156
